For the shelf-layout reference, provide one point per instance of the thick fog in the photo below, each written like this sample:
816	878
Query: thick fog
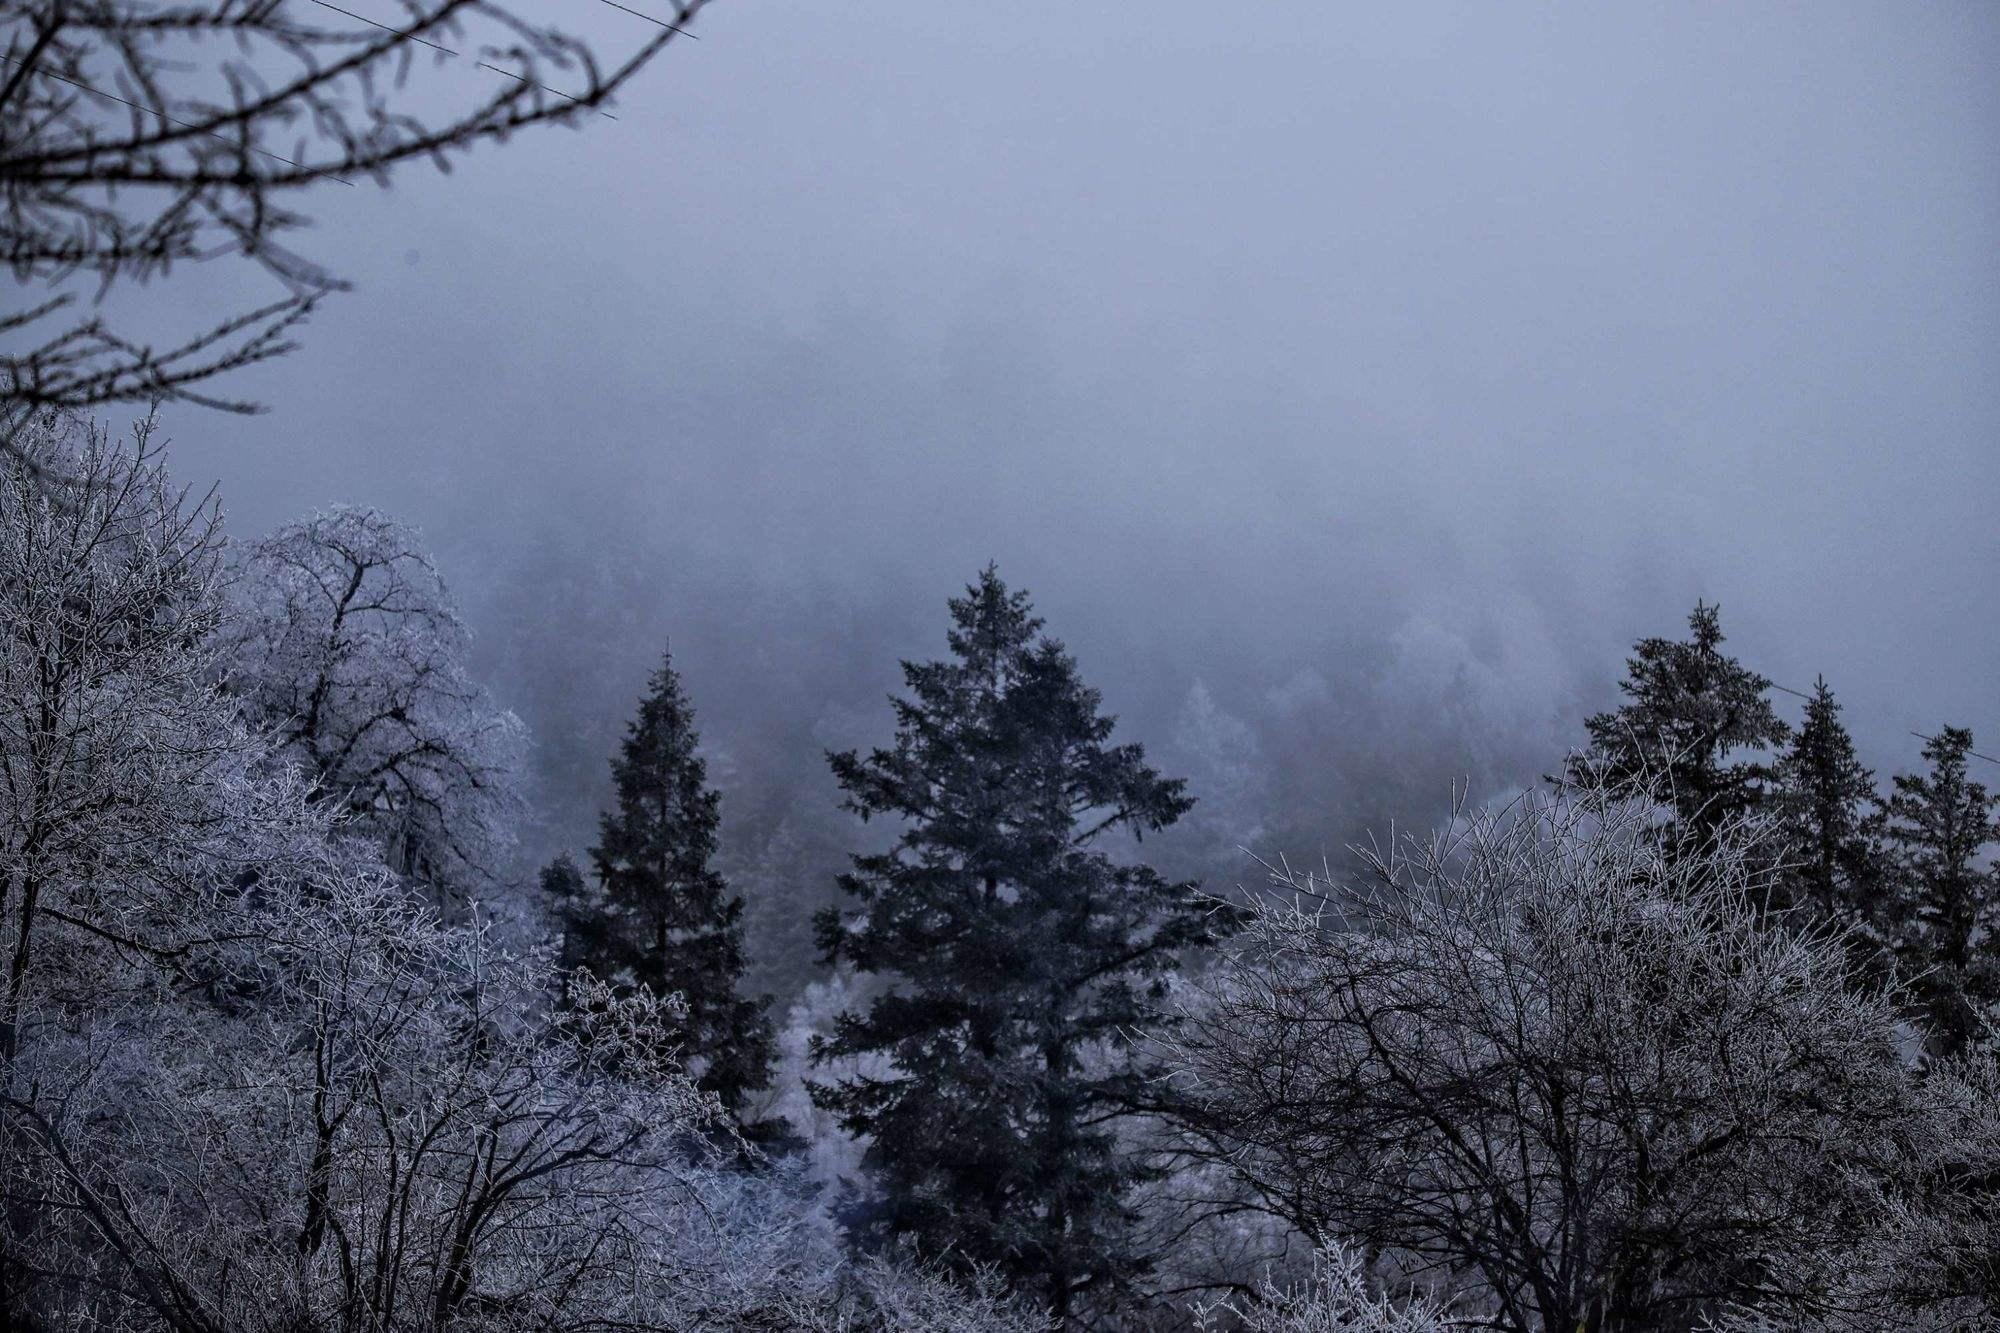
1351	389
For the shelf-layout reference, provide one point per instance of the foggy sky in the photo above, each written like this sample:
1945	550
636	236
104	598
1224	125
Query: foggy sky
1387	372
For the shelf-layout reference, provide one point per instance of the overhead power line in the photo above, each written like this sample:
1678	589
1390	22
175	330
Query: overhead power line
1786	689
425	41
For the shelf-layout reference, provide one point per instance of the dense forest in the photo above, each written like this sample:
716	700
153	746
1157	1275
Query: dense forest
1697	1030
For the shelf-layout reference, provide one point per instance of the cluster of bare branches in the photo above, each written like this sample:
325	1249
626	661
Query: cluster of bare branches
344	646
1541	1062
141	135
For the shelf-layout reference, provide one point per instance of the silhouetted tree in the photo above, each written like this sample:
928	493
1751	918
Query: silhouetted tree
1826	805
1947	897
668	918
1023	957
1692	706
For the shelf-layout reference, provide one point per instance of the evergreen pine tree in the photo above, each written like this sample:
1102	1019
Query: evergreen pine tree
1692	706
668	919
1022	957
1826	803
1948	894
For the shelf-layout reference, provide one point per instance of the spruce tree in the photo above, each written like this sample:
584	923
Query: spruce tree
1827	810
1691	707
1023	957
668	919
1947	892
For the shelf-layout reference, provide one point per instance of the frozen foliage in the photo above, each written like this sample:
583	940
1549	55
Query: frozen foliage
118	765
1546	1070
347	647
1219	754
251	1082
367	1120
1544	1056
1931	1261
1334	1298
832	1154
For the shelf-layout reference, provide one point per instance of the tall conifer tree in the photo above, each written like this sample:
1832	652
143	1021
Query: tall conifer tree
1827	806
1022	956
668	919
1947	891
1691	707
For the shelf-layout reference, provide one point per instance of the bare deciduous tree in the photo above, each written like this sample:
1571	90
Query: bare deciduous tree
345	645
1537	1057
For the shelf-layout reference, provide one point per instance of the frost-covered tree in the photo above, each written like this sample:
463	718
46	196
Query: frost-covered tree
1940	1252
1548	1062
1229	778
665	918
1930	1263
334	1109
1941	827
1691	706
127	790
347	646
371	1131
1826	807
1022	956
114	748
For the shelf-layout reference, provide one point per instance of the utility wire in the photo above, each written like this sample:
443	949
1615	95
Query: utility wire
422	41
650	19
1786	689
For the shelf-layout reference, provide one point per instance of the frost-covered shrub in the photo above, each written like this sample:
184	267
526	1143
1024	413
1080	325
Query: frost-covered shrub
1334	1298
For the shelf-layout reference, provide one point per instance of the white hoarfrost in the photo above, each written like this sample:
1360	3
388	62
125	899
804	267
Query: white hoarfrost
250	1082
345	644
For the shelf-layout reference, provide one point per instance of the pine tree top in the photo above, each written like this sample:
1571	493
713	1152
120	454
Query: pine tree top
1822	757
1690	706
1943	814
1023	957
666	817
667	918
1005	724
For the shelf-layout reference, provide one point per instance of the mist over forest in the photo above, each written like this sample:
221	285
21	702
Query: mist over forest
920	669
1387	375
